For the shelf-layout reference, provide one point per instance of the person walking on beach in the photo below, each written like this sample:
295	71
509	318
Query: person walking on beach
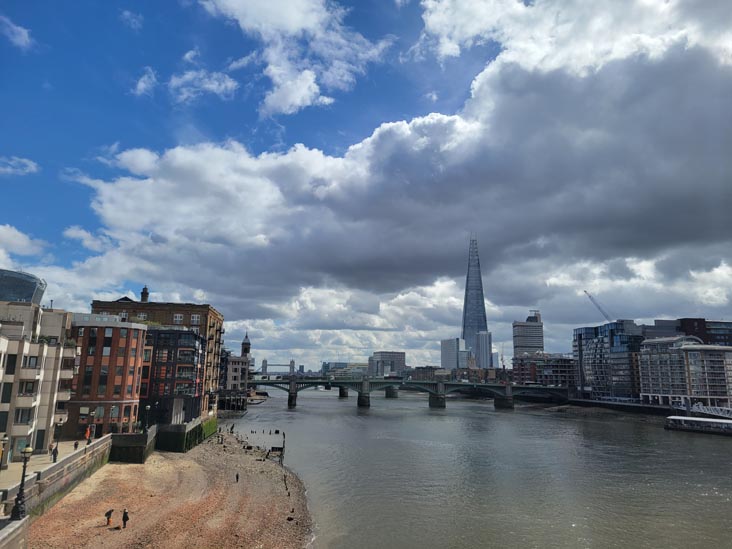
237	477
108	516
125	518
55	453
76	445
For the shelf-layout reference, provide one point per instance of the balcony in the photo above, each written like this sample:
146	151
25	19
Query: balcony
28	374
26	400
21	429
63	395
68	373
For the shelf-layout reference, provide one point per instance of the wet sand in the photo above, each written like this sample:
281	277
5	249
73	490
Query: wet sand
182	500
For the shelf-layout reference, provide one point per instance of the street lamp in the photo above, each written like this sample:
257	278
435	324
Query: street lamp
18	512
4	441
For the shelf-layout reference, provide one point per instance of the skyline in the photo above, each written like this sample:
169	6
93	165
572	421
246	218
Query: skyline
320	167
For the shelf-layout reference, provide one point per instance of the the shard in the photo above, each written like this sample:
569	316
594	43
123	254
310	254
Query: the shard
474	306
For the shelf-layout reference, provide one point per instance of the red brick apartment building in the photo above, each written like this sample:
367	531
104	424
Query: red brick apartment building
106	391
202	319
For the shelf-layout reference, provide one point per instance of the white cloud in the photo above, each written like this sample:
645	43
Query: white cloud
14	165
192	84
305	40
17	35
87	239
131	19
243	61
191	56
146	83
13	241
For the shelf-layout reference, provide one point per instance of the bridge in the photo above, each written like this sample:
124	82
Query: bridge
502	395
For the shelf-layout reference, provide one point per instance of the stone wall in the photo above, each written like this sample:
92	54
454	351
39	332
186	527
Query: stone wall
133	448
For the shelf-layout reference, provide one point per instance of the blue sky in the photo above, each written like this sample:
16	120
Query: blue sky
313	168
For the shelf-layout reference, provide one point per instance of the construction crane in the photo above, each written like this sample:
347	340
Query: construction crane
599	307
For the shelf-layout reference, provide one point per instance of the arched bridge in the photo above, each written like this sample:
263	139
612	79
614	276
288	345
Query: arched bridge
502	395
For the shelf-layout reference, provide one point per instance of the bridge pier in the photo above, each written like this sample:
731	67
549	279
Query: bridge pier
504	402
292	395
364	400
391	392
342	392
437	401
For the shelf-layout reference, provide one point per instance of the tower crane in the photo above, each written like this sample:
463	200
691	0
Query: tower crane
599	307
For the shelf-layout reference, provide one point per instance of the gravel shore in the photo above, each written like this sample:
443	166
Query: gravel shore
182	500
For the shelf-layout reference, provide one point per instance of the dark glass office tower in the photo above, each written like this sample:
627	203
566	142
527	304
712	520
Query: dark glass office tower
474	306
17	286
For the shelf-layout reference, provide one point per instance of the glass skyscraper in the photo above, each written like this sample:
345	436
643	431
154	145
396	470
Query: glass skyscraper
17	286
474	320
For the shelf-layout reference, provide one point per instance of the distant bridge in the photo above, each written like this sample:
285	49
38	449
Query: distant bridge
502	395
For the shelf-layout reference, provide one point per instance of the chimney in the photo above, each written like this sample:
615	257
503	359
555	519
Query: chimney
144	295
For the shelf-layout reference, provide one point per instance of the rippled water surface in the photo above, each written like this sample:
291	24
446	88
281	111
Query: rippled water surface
399	475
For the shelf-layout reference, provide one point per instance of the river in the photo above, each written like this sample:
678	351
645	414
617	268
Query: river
401	475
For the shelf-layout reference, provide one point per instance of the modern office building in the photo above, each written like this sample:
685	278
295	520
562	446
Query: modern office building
711	332
106	392
450	353
19	286
682	370
550	369
38	359
474	319
173	373
384	363
484	350
200	318
528	337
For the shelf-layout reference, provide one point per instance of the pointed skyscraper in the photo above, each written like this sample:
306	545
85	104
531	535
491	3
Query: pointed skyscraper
474	306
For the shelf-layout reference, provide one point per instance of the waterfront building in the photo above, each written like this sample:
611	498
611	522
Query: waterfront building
38	358
383	363
200	318
711	332
450	353
173	373
22	287
484	350
528	337
682	370
474	319
550	369
607	357
239	367
106	392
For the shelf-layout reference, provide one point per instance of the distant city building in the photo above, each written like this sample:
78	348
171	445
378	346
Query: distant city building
200	318
558	370
450	353
474	319
271	368
352	370
38	359
466	359
682	370
106	395
382	363
329	366
484	350
711	332
237	375
18	286
528	337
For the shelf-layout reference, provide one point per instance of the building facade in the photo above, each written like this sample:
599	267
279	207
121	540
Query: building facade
450	353
202	319
528	337
474	318
38	359
549	369
106	391
484	350
383	363
682	370
237	375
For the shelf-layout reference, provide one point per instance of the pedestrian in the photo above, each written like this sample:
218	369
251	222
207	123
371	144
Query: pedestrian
76	445
55	453
125	518
108	516
88	441
50	448
237	477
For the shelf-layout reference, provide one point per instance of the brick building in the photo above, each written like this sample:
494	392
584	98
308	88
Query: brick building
202	319
105	396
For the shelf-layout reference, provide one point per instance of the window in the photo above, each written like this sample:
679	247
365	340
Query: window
123	333
91	350
3	422
88	371
121	351
106	351
142	316
177	318
103	375
147	355
107	332
99	413
129	390
80	333
195	320
114	412
118	371
32	361
133	352
146	371
10	365
92	332
134	334
26	388
123	316
23	416
131	371
6	393
118	390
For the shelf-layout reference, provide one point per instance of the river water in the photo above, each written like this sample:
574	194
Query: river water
400	475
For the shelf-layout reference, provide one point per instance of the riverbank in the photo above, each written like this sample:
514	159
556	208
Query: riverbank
183	500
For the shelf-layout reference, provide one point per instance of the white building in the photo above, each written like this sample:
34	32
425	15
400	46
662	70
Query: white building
450	353
484	350
528	337
237	373
384	363
38	360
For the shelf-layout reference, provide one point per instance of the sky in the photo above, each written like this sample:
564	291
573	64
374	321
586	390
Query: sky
313	168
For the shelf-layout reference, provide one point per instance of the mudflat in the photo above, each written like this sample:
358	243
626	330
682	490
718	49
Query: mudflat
182	500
